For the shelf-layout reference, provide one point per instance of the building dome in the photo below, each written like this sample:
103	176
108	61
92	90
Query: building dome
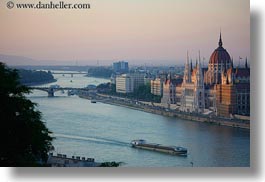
220	55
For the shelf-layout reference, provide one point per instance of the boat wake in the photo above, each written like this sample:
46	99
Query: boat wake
97	140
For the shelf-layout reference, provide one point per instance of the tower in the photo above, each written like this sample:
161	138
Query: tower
199	100
220	60
187	71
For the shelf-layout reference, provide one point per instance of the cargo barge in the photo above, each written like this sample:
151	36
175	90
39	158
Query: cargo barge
174	150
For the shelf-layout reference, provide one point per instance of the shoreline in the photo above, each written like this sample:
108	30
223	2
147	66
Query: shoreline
39	83
235	123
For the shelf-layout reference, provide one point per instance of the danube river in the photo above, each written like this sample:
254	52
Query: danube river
104	131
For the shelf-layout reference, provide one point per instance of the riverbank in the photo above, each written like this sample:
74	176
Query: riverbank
40	83
123	102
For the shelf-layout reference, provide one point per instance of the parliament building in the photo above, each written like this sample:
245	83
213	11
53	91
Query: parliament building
220	89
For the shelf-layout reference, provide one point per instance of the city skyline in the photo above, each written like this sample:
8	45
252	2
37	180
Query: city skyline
148	32
122	83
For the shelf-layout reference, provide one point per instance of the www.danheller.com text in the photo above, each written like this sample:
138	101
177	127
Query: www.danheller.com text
47	5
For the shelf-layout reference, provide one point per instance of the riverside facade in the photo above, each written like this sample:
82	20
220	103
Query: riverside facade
221	89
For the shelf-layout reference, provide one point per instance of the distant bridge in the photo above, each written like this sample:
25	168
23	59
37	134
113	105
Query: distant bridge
52	90
69	73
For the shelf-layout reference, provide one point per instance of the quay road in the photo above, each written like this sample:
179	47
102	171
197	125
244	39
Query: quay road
138	105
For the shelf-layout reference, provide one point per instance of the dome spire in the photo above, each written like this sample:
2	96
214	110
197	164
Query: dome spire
191	65
220	40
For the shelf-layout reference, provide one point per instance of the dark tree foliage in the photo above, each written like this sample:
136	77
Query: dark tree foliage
103	72
142	93
25	140
107	88
110	164
30	76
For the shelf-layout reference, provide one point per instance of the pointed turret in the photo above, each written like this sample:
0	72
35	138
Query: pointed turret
220	40
191	65
199	75
187	70
187	57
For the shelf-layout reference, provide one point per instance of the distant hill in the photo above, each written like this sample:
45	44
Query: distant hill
11	60
16	60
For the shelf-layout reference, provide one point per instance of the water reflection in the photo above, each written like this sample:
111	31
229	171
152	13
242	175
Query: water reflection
104	131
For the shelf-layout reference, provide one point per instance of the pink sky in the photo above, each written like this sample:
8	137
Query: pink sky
149	30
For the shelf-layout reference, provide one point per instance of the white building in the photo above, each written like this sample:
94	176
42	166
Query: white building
124	83
192	98
127	83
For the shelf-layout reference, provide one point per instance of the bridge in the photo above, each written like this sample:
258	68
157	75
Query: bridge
51	90
69	73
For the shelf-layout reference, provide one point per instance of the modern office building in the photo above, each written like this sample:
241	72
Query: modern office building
124	84
121	67
138	79
128	83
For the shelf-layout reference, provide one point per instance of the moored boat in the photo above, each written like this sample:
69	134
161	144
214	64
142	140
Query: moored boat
175	150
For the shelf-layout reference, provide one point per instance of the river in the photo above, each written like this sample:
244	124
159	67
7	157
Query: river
104	131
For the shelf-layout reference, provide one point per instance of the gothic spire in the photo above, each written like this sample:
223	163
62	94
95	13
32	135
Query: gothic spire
246	63
187	70
187	61
199	59
170	77
220	40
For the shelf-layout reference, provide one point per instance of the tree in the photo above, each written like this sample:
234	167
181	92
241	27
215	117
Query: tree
25	140
30	76
143	93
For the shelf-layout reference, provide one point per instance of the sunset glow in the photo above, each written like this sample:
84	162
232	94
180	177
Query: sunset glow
136	31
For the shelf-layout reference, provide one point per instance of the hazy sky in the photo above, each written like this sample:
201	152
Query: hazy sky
148	30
